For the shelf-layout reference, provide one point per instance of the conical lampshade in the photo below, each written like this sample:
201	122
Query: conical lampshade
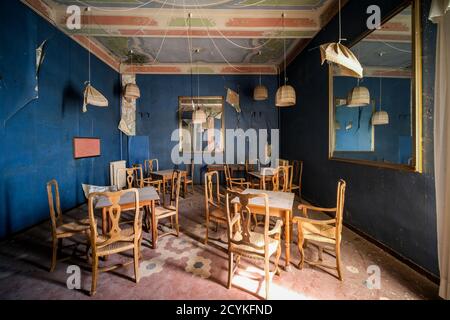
131	91
285	97
380	118
198	116
260	93
358	97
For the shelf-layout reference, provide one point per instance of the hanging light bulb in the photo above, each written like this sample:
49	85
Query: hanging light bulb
285	96
380	117
260	93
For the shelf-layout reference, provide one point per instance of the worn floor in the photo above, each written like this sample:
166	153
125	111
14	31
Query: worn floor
184	268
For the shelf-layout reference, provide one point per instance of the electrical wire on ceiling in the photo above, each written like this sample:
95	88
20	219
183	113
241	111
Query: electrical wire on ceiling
198	8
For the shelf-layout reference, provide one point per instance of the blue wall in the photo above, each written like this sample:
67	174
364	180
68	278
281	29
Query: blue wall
159	98
36	142
397	208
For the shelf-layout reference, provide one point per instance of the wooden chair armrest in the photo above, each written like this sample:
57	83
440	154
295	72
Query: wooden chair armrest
276	229
318	209
245	184
299	220
240	180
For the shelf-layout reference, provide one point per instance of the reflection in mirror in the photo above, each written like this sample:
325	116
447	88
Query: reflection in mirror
206	134
372	119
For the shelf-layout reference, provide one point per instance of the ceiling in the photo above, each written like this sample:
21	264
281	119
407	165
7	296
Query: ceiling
220	37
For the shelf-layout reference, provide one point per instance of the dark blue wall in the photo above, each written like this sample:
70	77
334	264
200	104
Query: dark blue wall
36	142
397	208
159	97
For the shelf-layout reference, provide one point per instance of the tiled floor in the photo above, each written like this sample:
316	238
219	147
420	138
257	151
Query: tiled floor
184	268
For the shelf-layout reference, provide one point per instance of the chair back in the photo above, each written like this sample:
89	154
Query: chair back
340	208
284	178
282	162
228	177
150	166
54	204
114	234
275	178
133	176
190	169
175	191
241	234
212	190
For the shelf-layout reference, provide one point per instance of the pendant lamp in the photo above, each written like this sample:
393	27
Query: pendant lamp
285	96
131	91
260	93
358	97
340	55
380	117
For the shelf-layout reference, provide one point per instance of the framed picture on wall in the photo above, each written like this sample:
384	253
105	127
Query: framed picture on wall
86	147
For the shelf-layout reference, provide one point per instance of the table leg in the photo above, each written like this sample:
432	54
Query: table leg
185	186
154	227
287	239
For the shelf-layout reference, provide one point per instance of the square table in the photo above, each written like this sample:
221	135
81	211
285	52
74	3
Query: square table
280	205
265	173
147	198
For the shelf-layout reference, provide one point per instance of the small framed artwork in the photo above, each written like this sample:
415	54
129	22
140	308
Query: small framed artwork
86	148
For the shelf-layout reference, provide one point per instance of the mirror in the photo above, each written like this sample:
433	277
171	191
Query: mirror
207	135
377	120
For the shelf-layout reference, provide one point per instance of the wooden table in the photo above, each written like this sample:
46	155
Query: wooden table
280	205
166	175
147	198
265	173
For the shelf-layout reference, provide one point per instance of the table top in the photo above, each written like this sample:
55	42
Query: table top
277	199
145	194
265	172
166	173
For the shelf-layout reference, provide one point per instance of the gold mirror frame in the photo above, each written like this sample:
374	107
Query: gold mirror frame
222	129
417	115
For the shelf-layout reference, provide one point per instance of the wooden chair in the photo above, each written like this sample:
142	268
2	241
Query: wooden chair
250	168
61	230
236	184
274	184
214	208
151	165
296	177
284	178
242	241
325	234
282	162
190	176
117	239
167	211
141	181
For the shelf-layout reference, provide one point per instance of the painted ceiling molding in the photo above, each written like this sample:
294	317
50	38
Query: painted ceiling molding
227	35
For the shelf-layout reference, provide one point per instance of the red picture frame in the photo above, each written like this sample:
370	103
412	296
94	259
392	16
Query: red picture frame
86	147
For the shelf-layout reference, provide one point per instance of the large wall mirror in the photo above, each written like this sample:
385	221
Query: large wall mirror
377	120
206	135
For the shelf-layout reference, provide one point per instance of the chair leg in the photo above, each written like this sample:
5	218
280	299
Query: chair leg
267	276
94	274
300	243
207	230
177	225
277	259
338	263
54	254
136	254
230	269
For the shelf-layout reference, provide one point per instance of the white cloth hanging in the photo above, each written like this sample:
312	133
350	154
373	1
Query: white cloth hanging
93	97
440	14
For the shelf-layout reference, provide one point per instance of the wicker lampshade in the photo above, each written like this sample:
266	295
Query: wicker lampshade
285	96
131	91
260	93
198	116
358	97
380	118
